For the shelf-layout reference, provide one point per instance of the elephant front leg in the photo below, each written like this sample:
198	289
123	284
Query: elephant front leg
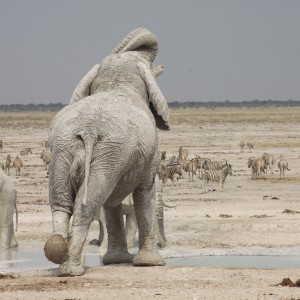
144	201
72	266
117	248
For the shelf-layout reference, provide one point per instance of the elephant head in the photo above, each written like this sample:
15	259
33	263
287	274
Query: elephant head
145	43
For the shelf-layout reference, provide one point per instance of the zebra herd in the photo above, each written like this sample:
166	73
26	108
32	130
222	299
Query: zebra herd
17	163
260	166
207	169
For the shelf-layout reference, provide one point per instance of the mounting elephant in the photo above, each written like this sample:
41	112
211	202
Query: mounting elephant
131	223
104	147
8	203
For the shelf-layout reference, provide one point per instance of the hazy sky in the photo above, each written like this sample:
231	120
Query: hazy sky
212	50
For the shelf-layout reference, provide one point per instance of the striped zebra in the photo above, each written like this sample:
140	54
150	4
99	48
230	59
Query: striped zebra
201	166
183	153
217	176
17	164
250	146
1	145
26	151
172	172
214	164
283	165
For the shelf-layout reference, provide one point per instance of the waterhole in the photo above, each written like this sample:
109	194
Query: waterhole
30	256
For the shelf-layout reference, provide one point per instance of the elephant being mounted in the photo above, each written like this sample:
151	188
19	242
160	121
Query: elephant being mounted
104	147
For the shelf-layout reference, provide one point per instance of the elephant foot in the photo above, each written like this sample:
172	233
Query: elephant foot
66	270
117	257
148	258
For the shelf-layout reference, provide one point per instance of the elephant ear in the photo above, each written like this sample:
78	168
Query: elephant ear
82	90
158	103
141	40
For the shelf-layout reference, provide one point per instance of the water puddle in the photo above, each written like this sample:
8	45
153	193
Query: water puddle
30	256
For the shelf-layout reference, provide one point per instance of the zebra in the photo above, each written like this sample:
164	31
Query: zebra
214	164
7	164
17	164
283	165
250	146
217	176
258	166
183	153
1	145
270	161
169	172
201	164
242	145
46	157
26	151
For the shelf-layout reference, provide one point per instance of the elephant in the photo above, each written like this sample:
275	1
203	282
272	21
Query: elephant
131	223
8	202
104	146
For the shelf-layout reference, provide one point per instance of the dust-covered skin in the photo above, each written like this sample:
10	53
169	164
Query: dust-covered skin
258	223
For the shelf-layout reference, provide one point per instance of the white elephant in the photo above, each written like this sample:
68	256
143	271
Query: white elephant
104	147
8	203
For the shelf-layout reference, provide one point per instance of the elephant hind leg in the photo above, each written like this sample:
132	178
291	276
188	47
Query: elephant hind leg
117	248
144	201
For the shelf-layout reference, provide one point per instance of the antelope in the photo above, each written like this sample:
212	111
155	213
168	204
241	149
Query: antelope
17	164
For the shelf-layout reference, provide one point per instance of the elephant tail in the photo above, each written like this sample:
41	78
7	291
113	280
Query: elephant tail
89	145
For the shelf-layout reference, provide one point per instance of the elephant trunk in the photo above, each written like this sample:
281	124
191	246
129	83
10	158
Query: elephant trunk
141	40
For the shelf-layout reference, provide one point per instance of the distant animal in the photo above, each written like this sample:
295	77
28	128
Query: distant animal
46	157
172	172
26	151
214	164
183	153
192	167
163	156
217	176
250	146
17	164
258	166
242	145
45	144
7	164
283	165
1	145
270	161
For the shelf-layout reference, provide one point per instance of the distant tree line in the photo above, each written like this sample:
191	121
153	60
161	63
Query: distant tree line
174	105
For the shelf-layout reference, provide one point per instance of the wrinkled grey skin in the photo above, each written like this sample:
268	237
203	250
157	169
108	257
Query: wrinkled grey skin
131	223
8	204
104	147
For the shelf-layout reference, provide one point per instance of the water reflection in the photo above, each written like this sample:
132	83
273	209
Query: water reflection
29	256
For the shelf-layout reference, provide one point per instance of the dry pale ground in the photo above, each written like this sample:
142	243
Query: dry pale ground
246	218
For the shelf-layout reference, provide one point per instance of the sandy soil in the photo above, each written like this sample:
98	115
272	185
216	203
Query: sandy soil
247	218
